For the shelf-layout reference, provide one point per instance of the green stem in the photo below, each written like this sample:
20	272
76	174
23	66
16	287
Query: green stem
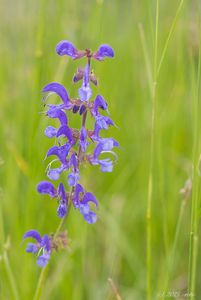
195	182
10	276
169	36
150	182
170	262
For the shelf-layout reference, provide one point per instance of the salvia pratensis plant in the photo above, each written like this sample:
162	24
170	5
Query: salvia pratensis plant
71	149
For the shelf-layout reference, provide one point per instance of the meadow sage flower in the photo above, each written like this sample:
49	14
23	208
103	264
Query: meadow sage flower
71	145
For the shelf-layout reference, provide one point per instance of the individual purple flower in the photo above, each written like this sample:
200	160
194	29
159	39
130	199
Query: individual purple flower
81	201
46	187
42	245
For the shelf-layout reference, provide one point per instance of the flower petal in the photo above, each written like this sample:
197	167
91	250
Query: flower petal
62	210
50	131
106	165
85	93
62	193
59	89
43	260
66	48
61	152
54	112
54	174
91	217
46	243
76	198
33	234
66	131
31	248
89	197
83	137
46	187
73	178
74	161
100	102
103	51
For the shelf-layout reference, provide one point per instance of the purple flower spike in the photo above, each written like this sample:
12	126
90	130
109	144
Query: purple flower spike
59	89
103	51
46	187
33	234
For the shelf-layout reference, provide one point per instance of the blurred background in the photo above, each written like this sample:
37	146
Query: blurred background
115	247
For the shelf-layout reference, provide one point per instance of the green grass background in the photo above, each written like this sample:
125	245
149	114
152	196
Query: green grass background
115	246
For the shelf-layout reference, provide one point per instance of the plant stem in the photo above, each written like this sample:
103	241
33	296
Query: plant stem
195	182
10	276
169	36
151	171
